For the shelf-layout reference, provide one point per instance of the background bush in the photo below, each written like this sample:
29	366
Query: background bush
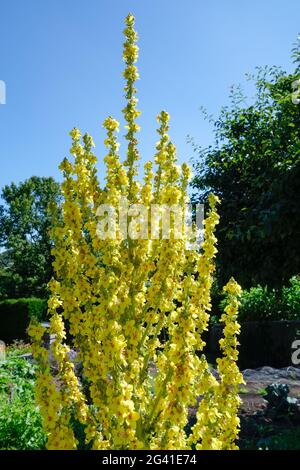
260	303
20	420
290	300
15	316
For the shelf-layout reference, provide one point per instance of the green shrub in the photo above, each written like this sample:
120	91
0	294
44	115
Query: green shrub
17	375
262	304
259	303
20	420
290	299
15	316
286	440
18	348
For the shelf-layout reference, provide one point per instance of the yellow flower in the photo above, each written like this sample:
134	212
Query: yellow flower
75	133
136	310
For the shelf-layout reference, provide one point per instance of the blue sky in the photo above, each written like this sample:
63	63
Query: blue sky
62	64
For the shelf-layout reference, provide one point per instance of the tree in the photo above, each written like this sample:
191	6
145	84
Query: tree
25	220
254	167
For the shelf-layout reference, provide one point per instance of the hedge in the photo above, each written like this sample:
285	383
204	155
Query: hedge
15	316
261	303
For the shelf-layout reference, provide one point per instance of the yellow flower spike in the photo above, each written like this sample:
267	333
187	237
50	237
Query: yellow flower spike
75	134
111	124
130	112
136	308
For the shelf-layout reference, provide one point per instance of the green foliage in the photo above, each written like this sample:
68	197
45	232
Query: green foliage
16	376
262	303
291	298
284	440
17	348
279	402
254	167
20	420
287	440
15	316
259	303
25	221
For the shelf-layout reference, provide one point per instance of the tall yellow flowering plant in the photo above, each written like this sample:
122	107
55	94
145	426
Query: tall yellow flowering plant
135	306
